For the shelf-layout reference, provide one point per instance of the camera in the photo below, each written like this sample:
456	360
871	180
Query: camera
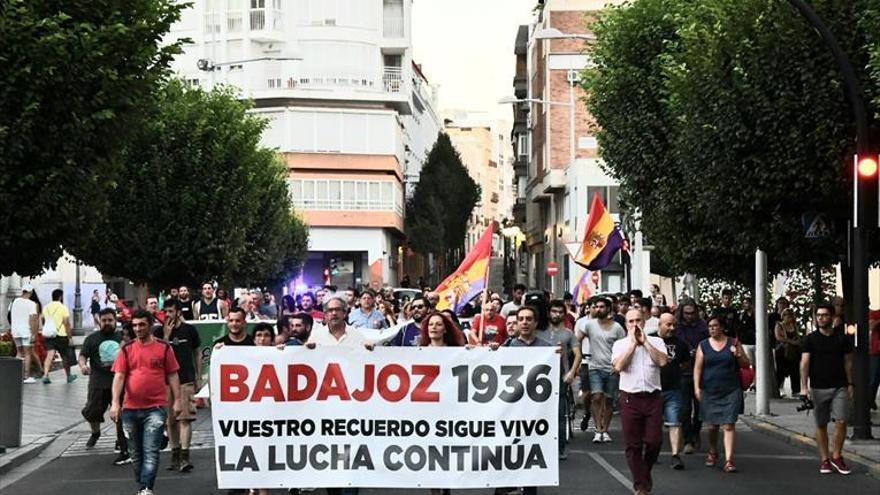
806	404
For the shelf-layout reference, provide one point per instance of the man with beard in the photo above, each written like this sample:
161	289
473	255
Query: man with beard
185	342
186	303
307	306
408	336
96	358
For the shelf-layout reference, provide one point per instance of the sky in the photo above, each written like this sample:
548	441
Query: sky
466	48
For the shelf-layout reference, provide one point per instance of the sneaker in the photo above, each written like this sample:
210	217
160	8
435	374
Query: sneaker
676	463
145	491
46	380
116	447
825	467
122	459
563	456
606	438
597	438
29	379
93	439
71	378
688	448
840	466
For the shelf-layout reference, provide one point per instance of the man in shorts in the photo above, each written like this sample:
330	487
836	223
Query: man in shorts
96	357
827	363
602	332
679	355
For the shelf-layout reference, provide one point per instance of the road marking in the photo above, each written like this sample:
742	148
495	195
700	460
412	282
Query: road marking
611	470
783	457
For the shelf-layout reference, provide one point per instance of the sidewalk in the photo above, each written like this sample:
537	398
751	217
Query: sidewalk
47	411
785	423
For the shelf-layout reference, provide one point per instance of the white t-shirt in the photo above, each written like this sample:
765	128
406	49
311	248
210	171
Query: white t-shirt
642	374
353	337
22	309
601	340
509	307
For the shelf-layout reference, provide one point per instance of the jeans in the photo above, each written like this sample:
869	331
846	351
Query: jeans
144	429
690	412
641	416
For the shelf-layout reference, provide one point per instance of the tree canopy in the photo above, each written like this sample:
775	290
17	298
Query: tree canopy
438	212
742	125
199	199
75	76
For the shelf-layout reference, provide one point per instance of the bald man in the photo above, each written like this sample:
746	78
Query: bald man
679	355
639	358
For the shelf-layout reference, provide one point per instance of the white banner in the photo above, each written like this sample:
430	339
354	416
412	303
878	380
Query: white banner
391	417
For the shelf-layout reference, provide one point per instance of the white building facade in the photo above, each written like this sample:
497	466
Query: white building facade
349	111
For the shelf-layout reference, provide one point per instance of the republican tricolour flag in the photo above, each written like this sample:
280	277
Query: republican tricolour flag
582	290
602	239
470	278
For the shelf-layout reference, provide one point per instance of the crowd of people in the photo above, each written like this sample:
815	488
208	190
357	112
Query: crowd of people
656	365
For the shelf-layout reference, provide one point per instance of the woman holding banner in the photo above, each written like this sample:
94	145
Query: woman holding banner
438	330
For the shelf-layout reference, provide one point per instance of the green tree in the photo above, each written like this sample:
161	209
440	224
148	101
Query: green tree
445	196
199	198
75	76
743	126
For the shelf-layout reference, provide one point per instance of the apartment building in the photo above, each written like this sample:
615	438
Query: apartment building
349	110
556	155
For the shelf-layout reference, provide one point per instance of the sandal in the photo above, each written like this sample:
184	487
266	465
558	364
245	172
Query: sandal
729	467
711	459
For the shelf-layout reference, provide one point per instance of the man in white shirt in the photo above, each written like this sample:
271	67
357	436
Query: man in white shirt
25	322
336	332
638	359
511	306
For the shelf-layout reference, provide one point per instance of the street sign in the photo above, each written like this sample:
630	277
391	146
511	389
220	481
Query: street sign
816	226
552	268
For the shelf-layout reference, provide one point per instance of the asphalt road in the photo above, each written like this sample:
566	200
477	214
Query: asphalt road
766	466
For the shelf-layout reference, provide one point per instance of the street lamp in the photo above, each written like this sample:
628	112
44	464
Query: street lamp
207	65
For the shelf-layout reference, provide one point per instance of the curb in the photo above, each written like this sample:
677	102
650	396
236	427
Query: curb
12	460
794	438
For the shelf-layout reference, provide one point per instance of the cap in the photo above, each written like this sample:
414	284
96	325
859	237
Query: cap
27	288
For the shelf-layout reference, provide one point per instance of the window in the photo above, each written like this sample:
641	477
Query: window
334	194
608	195
522	145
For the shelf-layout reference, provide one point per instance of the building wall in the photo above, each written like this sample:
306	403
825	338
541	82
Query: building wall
350	112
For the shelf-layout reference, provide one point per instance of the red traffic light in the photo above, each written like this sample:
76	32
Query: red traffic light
867	166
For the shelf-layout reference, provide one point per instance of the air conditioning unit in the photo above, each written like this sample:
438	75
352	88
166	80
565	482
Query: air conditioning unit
573	76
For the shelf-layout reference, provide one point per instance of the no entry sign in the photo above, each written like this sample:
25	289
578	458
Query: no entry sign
552	268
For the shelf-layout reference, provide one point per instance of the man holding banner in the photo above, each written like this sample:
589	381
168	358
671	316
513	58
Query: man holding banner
342	416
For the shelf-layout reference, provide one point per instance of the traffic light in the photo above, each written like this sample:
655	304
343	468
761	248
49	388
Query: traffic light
865	185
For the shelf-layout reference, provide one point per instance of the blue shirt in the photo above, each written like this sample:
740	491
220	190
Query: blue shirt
293	341
373	319
408	336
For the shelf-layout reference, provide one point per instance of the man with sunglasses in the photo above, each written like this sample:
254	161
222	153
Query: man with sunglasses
409	334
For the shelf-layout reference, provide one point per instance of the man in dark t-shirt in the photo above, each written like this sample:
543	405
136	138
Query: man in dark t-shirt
237	327
96	358
827	363
679	353
185	342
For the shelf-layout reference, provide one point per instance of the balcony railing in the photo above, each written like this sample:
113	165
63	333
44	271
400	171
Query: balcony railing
265	19
392	79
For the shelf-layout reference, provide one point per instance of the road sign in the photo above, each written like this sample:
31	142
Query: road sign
552	268
816	226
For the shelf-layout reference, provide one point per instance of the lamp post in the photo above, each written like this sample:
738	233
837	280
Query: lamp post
77	302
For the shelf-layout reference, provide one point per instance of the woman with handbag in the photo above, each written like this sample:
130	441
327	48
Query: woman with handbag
790	341
718	387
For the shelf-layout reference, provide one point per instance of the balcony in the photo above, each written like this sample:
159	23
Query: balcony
266	25
392	79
